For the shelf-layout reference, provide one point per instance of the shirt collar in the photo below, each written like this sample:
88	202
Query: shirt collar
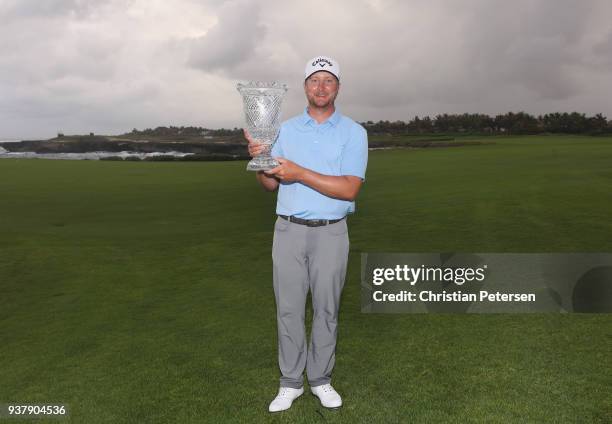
333	119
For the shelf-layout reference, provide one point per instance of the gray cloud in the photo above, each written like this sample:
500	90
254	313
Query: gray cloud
109	66
536	45
603	53
19	9
232	40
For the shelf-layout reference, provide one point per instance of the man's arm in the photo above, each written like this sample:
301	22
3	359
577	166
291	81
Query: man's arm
268	182
343	187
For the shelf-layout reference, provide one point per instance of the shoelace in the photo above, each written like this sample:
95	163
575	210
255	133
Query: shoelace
283	392
328	388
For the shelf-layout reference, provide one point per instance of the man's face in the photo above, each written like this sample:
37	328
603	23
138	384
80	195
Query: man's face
321	89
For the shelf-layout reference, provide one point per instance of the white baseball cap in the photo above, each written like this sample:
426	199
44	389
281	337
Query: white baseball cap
322	63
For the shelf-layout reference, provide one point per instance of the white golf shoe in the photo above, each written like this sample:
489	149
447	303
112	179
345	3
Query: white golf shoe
284	399
327	395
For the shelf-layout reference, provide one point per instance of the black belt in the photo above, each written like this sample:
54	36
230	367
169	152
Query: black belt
310	222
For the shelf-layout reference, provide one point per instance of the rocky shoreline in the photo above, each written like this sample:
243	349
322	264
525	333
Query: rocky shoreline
220	148
188	149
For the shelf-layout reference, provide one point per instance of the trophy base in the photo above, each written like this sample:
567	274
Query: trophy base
262	164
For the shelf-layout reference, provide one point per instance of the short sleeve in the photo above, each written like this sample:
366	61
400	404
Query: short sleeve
355	153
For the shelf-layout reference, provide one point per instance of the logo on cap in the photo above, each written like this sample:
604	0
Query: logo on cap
322	62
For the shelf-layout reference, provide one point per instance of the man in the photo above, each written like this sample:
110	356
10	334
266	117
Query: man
323	157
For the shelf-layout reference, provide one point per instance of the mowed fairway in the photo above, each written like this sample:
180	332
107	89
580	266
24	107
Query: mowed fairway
142	292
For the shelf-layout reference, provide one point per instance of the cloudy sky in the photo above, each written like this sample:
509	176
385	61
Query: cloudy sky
111	65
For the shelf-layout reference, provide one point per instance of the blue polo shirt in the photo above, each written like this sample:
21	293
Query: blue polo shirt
338	146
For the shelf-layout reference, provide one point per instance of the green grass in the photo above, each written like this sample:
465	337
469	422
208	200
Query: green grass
409	138
142	293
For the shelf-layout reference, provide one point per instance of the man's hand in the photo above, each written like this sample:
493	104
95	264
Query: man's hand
255	147
287	171
344	187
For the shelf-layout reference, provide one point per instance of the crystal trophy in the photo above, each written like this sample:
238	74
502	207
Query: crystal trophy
262	108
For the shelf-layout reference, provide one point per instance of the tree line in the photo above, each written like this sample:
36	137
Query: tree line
186	131
508	123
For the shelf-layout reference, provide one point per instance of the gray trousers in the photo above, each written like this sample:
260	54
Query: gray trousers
308	258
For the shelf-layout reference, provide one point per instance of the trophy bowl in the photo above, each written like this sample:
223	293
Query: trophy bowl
262	108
